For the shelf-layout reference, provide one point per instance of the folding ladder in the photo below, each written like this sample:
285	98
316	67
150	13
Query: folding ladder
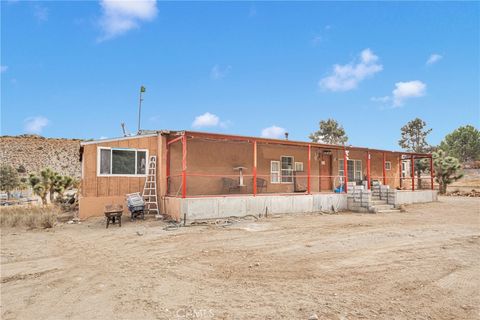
150	188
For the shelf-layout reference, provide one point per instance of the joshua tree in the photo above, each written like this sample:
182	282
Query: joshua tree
8	179
63	183
39	187
330	132
446	169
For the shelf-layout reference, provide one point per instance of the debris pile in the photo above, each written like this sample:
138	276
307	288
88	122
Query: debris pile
457	193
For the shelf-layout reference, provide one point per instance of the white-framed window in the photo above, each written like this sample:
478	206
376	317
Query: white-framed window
354	169
388	165
298	166
286	163
275	171
121	162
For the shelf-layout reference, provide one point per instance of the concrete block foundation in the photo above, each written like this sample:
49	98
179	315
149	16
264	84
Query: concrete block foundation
241	206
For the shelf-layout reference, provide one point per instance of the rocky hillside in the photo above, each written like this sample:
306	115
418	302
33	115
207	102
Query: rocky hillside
33	153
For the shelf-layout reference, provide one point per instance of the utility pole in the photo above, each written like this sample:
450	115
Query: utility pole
142	90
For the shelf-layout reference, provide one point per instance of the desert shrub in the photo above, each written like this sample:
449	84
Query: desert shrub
30	217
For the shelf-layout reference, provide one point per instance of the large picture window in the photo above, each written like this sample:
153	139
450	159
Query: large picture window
118	161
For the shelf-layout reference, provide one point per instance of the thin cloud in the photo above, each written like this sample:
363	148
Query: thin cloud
218	72
347	77
40	13
3	68
384	99
119	17
434	58
407	90
252	12
35	124
273	132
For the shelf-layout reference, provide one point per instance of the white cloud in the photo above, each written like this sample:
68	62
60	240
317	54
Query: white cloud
3	68
407	90
35	124
273	132
219	72
347	77
206	120
41	13
120	16
102	138
434	58
380	99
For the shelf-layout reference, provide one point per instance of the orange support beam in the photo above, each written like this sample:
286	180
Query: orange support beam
345	171
184	166
384	169
309	168
255	168
412	164
368	170
431	172
400	169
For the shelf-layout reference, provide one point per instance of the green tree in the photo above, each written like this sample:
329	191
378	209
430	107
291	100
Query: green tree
447	169
9	179
331	132
414	139
463	143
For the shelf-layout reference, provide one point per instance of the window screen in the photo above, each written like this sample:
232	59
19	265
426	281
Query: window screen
141	162
275	171
287	169
123	162
105	155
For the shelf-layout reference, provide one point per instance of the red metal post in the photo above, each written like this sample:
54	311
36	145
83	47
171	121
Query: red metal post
431	172
345	167
368	170
412	161
384	169
254	167
309	168
167	155
184	166
400	169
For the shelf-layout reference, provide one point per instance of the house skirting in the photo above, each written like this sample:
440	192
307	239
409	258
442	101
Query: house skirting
240	206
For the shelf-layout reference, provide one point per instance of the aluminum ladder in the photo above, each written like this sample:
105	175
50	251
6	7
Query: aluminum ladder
150	188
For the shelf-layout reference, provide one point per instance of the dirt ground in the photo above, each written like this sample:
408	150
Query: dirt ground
422	264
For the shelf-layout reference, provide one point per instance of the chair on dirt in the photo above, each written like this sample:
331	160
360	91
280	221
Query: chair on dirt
229	184
113	213
136	206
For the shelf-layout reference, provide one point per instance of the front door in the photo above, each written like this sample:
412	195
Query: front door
326	172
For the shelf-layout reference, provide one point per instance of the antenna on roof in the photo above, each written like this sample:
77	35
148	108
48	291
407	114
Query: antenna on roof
126	133
142	90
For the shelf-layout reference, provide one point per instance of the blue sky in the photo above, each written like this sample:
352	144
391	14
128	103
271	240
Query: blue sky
74	69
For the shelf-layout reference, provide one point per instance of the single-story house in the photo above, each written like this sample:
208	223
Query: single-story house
207	175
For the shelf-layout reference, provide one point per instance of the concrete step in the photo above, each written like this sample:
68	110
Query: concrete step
389	211
383	207
379	202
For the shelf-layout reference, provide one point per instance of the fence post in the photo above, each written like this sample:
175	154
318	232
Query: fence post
431	172
254	167
345	170
309	168
412	160
184	166
368	170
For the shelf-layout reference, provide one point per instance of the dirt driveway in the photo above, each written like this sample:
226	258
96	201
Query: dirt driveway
422	264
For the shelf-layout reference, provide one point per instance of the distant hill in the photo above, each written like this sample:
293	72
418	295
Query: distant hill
32	153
